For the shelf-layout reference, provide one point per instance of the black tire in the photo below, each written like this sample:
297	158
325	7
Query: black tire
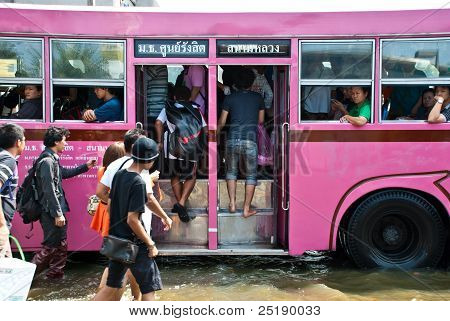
396	229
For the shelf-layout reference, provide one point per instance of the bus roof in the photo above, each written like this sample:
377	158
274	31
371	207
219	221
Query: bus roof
231	6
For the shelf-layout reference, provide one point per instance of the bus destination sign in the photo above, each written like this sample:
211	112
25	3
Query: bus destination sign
170	48
254	48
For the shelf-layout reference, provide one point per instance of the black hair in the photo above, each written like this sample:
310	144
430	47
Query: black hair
9	134
365	90
428	90
182	93
245	78
38	87
131	137
55	134
113	91
442	86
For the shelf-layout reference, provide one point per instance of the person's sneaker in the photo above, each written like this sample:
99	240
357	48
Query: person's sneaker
182	212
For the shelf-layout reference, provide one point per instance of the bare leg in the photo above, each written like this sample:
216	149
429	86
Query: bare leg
135	290
148	296
177	187
231	185
249	192
106	294
103	280
188	186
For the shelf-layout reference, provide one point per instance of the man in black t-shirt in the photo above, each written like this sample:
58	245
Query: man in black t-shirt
127	201
12	144
245	109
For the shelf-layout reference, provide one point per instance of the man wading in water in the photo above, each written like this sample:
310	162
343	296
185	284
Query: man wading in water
125	206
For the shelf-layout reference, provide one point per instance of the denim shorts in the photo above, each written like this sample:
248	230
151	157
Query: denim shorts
144	270
248	151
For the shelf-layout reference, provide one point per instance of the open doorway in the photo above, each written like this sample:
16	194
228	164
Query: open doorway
240	124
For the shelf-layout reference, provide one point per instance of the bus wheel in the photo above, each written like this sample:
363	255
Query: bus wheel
396	229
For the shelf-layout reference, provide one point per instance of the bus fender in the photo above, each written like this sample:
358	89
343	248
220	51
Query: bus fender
436	184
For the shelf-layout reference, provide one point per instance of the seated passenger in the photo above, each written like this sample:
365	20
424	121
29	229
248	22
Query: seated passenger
359	113
110	110
422	111
32	106
441	110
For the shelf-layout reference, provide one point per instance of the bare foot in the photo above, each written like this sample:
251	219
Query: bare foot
249	212
232	208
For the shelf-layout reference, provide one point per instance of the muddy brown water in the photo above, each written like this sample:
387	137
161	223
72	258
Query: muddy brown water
314	276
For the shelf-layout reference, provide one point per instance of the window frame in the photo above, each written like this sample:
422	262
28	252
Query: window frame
335	82
405	81
28	81
90	82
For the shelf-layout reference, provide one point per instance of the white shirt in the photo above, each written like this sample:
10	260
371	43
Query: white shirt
113	168
163	119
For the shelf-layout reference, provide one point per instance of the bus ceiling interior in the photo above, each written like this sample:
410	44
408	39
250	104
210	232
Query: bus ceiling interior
265	232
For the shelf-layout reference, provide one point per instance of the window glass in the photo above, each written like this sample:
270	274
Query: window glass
21	101
87	60
20	58
336	60
333	102
416	59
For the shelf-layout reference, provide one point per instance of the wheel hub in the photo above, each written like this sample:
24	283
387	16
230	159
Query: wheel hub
391	235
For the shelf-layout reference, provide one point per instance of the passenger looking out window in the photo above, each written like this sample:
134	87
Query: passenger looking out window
110	110
32	106
441	110
421	112
246	110
359	114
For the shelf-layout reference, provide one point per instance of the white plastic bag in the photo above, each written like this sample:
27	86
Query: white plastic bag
16	277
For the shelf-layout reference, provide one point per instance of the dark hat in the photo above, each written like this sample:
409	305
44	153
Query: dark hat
144	150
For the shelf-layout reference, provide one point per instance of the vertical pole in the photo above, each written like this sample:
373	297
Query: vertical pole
212	152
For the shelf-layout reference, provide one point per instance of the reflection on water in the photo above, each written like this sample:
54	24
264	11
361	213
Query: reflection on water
316	276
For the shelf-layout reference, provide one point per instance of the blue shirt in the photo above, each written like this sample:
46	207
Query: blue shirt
110	110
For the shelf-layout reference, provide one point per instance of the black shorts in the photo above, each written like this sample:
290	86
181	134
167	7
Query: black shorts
144	270
184	169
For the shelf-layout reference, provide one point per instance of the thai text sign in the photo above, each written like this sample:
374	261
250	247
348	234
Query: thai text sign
170	48
254	48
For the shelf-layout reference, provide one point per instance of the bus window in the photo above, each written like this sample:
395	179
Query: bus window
332	103
21	79
411	69
88	80
74	102
328	71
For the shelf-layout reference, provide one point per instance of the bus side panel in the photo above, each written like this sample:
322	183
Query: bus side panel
77	189
322	172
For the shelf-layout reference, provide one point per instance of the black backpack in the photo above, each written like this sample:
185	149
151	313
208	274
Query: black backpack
28	204
188	141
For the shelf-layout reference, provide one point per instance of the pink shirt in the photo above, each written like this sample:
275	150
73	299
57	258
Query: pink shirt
196	78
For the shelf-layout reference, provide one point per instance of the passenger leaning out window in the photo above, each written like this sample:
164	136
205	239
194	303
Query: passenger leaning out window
32	106
359	114
110	110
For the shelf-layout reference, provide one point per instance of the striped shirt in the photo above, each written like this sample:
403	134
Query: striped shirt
156	82
8	178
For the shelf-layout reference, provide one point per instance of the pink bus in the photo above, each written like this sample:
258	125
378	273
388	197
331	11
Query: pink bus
380	191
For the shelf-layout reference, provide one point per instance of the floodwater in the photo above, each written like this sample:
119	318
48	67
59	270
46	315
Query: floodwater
315	276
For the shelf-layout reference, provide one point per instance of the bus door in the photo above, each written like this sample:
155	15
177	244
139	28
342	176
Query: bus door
264	232
184	237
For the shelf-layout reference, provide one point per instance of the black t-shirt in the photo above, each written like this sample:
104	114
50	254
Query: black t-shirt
128	194
8	177
243	107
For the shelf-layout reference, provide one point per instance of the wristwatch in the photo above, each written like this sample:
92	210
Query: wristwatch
440	100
